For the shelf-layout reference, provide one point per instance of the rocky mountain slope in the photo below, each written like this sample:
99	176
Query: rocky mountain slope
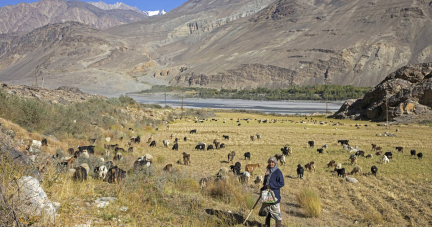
117	5
27	17
235	44
407	92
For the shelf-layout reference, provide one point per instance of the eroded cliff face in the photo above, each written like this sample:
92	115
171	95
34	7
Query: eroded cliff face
408	93
27	17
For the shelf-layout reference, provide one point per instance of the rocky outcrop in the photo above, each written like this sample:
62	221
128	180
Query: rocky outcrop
407	93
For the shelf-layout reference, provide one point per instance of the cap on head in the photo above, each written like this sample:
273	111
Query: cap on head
272	159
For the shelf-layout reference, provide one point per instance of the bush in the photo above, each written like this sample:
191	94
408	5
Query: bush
187	185
310	202
160	159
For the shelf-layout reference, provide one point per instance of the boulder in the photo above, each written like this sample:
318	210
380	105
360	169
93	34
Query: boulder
23	160
33	200
351	179
104	202
407	92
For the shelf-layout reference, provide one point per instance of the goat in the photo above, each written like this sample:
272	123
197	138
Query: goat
357	169
413	152
247	155
231	156
193	131
340	172
102	171
226	137
311	143
80	174
252	138
186	158
168	168
44	142
374	170
210	147
280	158
153	143
251	167
385	159
420	155
369	156
300	171
259	179
332	163
237	168
165	143
320	151
310	166
175	147
115	175
400	149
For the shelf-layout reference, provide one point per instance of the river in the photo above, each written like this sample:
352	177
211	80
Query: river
280	107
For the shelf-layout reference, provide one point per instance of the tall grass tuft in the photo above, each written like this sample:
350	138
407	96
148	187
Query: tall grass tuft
310	203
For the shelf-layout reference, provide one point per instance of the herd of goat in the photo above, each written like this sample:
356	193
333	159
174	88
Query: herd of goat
113	174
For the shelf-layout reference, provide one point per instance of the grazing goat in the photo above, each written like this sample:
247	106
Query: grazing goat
226	137
186	158
44	143
168	168
80	174
259	179
247	155
343	142
222	145
210	147
115	175
237	168
101	171
142	161
286	151
413	152
420	155
369	156
280	158
153	143
251	167
374	146
389	155
385	159
353	159
193	131
258	136
203	183
320	151
175	147
379	153
165	143
231	156
244	179
252	138
200	147
400	149
340	172
300	171
338	166
374	170
185	139
130	149
311	143
360	153
356	170
90	149
332	163
310	166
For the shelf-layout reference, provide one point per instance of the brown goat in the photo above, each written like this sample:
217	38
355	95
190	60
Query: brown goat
374	146
281	158
168	168
379	153
251	167
186	158
310	166
354	160
231	156
332	163
252	138
400	149
356	170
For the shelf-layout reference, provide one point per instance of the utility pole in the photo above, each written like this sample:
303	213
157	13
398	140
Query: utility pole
165	98
387	112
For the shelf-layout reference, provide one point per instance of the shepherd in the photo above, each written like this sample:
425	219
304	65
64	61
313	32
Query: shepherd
274	181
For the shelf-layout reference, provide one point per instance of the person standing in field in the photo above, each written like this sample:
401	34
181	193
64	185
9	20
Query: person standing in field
274	181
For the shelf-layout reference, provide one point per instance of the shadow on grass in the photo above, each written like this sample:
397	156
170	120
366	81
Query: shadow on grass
231	219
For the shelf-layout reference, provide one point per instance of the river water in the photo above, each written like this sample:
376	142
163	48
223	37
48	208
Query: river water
281	107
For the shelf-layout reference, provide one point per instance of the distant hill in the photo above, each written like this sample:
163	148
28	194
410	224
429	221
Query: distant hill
27	17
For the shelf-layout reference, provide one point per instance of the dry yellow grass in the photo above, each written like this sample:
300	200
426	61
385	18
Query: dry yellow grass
398	196
310	203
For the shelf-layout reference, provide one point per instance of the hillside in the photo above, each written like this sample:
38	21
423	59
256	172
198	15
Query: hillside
156	195
241	44
27	17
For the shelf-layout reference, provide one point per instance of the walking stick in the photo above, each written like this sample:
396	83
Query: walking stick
252	209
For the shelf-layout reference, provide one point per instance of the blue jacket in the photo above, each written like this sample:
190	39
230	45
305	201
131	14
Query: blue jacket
276	182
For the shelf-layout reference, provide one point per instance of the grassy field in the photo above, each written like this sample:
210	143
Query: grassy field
400	195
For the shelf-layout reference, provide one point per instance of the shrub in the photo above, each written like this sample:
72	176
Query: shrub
160	159
310	202
188	185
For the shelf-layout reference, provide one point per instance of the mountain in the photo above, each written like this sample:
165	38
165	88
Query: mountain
155	13
27	17
117	5
234	44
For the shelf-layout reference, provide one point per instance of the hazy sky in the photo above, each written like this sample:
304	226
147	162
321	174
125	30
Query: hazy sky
146	5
